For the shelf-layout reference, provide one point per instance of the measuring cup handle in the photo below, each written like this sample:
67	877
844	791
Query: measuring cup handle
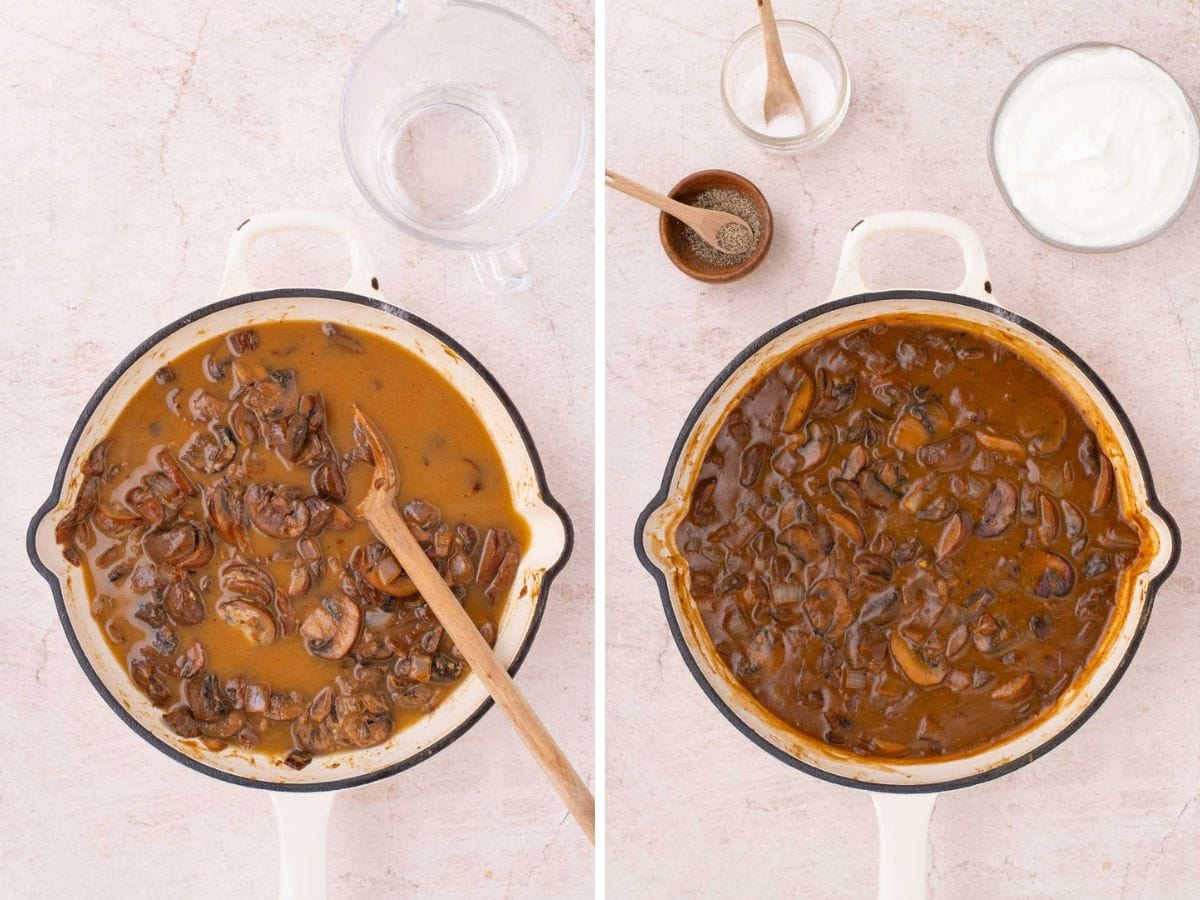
502	270
362	278
903	844
303	822
975	281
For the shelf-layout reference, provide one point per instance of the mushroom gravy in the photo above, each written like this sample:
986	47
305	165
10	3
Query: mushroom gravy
905	540
226	569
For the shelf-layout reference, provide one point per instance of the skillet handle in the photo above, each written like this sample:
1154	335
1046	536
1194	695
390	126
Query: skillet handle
975	281
903	844
237	279
303	821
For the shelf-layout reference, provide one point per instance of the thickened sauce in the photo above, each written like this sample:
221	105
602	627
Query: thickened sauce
906	541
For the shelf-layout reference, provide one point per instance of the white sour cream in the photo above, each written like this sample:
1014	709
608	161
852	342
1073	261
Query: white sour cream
1097	147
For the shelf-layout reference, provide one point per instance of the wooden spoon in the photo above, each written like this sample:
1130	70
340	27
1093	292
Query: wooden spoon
781	98
705	222
379	509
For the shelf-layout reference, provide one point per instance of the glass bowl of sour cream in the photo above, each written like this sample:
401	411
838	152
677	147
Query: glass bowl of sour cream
820	75
1095	148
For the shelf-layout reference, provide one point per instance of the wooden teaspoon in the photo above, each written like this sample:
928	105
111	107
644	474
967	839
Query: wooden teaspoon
781	98
708	223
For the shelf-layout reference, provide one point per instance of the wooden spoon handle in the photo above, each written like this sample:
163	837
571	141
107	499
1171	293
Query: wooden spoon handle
774	48
394	532
680	211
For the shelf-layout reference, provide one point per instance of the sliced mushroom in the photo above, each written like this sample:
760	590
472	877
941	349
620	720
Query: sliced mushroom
299	582
800	403
495	544
207	407
1104	484
827	608
808	543
251	619
285	707
752	460
1047	528
242	342
954	535
1000	444
210	451
85	504
1015	689
97	459
170	465
875	491
115	520
939	509
818	444
184	545
506	574
833	395
1073	520
223	509
329	483
331	629
918	425
273	397
195	660
917	670
248	581
375	563
206	698
998	510
183	603
183	722
243	422
881	608
445	669
847	525
1089	455
277	511
1057	578
949	453
144	675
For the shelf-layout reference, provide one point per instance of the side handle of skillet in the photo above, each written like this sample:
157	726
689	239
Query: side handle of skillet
849	280
303	825
903	844
236	280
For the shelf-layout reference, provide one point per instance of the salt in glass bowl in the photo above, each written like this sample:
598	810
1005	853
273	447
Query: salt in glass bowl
746	54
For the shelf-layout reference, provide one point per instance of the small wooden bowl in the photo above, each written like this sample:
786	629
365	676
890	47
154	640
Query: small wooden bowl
671	230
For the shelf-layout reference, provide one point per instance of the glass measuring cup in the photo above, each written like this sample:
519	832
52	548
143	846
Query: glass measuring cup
463	125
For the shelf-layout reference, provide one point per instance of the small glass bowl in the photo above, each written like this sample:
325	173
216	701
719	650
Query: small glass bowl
1076	248
746	54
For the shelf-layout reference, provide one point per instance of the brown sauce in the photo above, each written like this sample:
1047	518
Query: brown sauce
215	531
906	541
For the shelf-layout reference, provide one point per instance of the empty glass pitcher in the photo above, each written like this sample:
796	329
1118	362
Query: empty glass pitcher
463	125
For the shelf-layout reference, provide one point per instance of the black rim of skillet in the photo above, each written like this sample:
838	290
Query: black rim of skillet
60	477
673	623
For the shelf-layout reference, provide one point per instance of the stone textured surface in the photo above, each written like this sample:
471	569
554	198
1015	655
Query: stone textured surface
692	806
134	136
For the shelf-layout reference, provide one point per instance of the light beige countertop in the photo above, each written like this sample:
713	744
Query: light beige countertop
135	137
693	807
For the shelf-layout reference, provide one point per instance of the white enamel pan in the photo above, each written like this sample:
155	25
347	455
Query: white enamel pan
303	799
905	791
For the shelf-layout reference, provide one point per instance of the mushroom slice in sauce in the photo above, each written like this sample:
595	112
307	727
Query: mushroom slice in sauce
331	629
251	619
277	511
